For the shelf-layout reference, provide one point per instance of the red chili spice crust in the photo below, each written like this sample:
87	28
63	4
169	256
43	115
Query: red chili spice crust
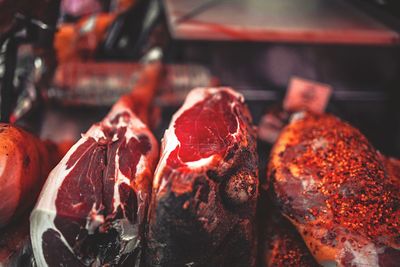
283	246
327	175
286	251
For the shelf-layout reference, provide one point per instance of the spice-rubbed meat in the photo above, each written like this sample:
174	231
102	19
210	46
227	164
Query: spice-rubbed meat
282	245
25	163
339	192
93	207
205	185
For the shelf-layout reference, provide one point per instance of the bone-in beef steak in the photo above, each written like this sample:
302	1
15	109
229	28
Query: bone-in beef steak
205	186
92	209
339	192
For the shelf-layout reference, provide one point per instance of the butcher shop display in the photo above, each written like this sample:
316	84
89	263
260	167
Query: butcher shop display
338	191
332	198
92	209
205	187
188	133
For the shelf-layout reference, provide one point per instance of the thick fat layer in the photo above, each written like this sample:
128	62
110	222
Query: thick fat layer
195	106
91	210
332	184
42	218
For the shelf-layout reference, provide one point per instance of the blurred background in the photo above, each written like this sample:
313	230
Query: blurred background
63	63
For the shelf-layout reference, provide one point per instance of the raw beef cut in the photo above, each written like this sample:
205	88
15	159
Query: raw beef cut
341	194
92	209
205	185
25	162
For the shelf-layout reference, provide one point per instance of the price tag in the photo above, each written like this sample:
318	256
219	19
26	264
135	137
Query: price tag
308	95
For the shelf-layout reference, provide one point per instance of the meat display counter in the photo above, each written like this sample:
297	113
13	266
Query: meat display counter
200	133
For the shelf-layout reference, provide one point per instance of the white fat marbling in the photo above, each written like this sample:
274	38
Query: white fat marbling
94	220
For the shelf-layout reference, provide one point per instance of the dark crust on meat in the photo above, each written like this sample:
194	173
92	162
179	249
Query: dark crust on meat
195	222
